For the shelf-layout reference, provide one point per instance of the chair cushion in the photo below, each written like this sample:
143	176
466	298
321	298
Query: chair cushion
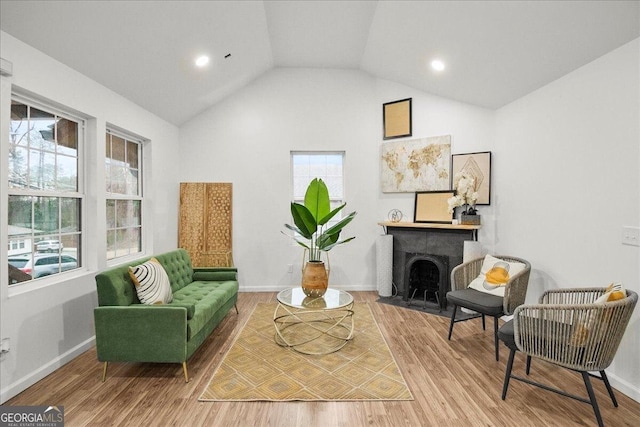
506	335
481	302
494	275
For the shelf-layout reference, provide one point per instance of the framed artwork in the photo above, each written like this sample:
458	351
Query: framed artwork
432	206
396	119
414	165
479	166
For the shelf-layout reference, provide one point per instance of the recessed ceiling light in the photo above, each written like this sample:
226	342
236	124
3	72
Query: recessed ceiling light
201	61
437	65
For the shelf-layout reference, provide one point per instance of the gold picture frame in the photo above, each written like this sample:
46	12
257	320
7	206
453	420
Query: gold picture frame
432	206
396	119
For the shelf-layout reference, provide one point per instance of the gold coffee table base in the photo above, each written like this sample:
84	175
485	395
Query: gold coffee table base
313	331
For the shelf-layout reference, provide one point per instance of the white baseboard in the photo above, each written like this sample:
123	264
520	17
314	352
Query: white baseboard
624	387
276	288
27	381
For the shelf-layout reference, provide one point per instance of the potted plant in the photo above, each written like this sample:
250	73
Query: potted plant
311	224
466	195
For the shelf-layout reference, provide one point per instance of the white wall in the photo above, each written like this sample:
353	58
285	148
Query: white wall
53	321
568	180
247	140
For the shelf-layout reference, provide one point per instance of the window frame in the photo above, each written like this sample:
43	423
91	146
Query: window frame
59	112
140	196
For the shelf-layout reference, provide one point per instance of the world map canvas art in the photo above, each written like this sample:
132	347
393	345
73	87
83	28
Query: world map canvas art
416	165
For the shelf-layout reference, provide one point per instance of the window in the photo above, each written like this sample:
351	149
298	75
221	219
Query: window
307	165
124	195
45	190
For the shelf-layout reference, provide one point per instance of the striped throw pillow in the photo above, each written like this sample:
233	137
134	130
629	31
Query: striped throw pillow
152	283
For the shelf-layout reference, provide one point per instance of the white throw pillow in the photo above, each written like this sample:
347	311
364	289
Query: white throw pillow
152	283
494	275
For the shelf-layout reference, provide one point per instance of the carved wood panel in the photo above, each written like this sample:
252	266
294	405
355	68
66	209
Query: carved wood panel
205	228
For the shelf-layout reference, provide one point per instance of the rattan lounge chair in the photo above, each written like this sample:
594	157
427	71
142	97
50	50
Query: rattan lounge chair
568	328
486	304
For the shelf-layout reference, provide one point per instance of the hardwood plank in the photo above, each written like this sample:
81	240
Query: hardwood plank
454	383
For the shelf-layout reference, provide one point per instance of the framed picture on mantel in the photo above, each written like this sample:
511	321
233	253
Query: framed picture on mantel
432	206
477	165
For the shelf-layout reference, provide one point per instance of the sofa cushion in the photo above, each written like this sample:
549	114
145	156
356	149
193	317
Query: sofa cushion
191	308
206	298
178	266
151	282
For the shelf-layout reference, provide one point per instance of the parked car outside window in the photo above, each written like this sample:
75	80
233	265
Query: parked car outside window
49	246
43	264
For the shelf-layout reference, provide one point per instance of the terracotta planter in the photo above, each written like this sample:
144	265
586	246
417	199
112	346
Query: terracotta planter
315	279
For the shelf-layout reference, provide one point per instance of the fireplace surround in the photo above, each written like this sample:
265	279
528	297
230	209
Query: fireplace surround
424	255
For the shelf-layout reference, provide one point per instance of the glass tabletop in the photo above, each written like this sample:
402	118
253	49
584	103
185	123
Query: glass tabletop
332	299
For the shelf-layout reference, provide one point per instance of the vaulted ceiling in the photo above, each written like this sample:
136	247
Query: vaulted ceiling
495	51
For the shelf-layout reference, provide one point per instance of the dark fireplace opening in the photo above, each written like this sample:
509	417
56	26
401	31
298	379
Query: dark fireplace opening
427	280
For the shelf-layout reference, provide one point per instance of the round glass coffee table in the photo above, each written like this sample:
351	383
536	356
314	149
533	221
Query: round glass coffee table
313	325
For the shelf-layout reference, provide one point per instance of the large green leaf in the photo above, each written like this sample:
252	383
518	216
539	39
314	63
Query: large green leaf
316	199
329	247
336	228
327	240
290	227
331	214
304	220
293	228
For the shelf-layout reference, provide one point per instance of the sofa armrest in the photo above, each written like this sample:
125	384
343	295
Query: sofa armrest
141	333
215	273
191	307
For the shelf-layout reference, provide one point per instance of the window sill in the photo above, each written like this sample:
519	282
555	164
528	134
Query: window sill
37	284
116	262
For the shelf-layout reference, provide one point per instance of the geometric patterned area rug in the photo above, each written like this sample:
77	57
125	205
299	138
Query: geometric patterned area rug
257	369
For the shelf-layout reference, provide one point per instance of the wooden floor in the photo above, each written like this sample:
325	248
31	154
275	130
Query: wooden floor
455	383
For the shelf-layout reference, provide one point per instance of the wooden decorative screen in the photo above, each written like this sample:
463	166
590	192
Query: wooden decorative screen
205	228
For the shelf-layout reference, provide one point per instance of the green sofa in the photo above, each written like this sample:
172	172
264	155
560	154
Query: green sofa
128	331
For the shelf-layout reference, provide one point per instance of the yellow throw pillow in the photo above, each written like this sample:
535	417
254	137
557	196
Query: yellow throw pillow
616	291
613	292
152	283
494	275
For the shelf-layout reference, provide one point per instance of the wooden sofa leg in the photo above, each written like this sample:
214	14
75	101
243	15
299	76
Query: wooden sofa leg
236	306
104	371
186	375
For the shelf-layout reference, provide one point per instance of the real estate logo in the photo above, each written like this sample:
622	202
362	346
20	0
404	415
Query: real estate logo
31	416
